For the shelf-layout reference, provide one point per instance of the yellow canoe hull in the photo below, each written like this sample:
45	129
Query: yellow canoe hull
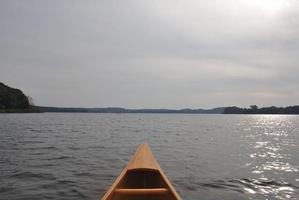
142	179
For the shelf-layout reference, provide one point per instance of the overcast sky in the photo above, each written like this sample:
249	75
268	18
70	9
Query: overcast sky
152	53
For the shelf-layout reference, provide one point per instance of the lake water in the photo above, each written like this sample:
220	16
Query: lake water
78	155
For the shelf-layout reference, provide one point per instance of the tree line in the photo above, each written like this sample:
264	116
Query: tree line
14	100
264	110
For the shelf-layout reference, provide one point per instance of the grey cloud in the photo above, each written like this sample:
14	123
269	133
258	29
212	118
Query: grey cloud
150	53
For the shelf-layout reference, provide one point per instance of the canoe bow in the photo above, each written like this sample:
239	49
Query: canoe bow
142	178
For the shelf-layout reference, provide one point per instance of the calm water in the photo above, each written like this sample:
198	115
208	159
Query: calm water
77	156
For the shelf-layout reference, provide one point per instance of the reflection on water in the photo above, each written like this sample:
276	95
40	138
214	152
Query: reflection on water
269	158
262	186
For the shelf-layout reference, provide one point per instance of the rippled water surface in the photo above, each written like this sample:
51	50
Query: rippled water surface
77	156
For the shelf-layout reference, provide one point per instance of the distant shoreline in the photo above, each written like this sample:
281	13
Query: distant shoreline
29	110
125	110
13	100
290	110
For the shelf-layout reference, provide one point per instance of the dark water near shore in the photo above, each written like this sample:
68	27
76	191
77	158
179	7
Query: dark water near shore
77	156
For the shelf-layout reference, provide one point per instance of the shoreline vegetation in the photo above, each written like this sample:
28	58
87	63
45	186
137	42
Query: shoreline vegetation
13	100
30	109
27	110
289	110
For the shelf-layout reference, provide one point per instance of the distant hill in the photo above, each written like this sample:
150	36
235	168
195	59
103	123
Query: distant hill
11	98
14	100
124	110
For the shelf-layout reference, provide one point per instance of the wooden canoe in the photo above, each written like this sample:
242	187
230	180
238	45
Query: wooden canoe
142	179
